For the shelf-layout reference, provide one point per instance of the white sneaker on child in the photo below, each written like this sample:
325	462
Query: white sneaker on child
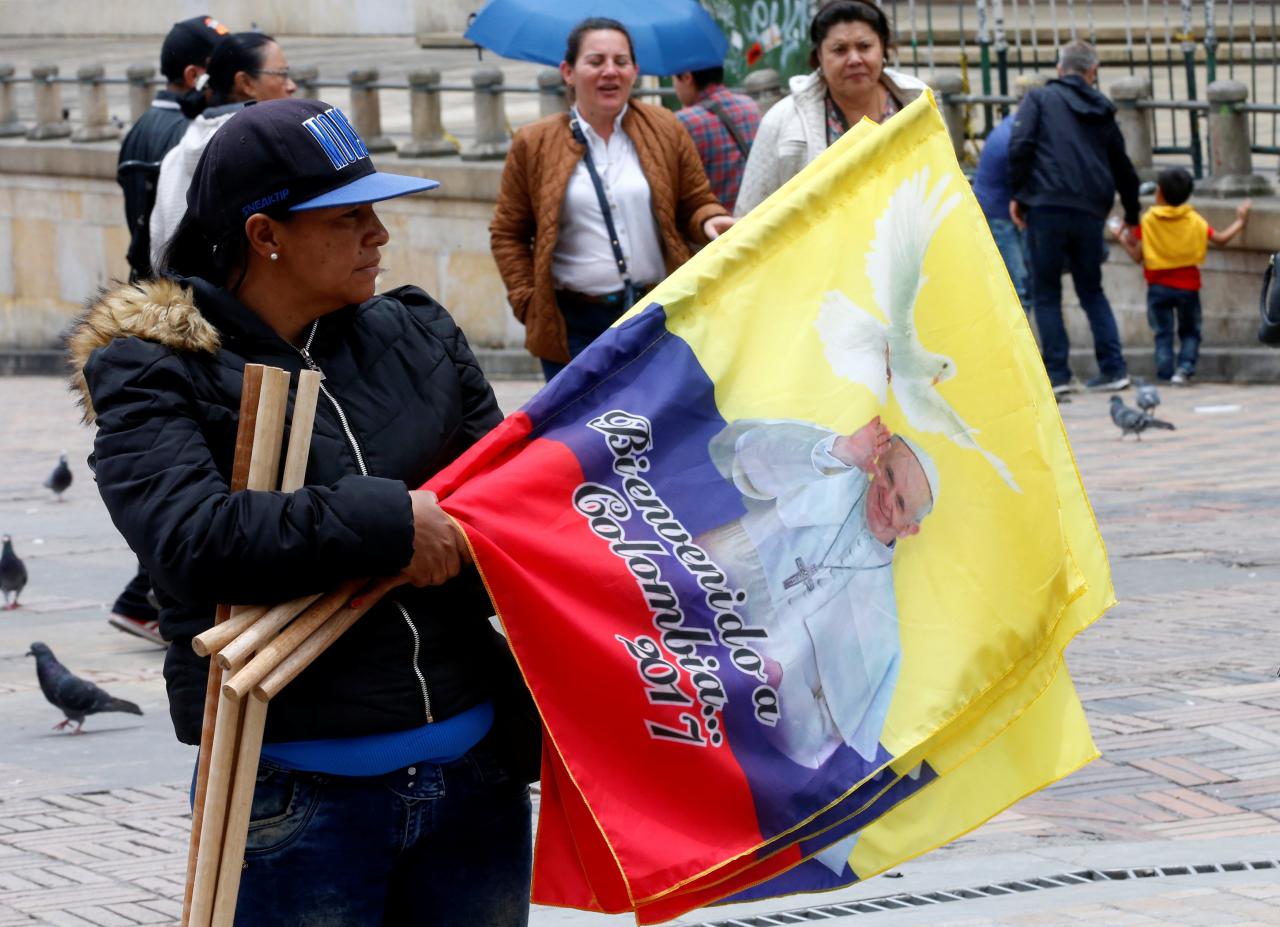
1180	378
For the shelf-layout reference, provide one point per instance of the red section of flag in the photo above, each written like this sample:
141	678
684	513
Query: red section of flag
668	810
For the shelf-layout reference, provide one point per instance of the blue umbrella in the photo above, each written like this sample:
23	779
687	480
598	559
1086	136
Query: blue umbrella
670	36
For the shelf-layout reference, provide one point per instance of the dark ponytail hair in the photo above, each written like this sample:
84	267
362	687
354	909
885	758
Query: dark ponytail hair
192	253
848	11
240	51
594	24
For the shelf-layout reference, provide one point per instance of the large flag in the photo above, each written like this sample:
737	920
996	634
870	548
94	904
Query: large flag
790	556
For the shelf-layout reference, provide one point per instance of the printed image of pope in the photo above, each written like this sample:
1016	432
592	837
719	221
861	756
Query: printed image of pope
814	553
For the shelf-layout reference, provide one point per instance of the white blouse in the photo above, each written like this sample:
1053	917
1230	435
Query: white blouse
583	259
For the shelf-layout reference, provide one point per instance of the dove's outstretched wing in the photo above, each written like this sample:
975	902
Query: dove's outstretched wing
895	261
927	410
855	343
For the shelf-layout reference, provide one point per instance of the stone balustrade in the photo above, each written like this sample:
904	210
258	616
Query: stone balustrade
62	229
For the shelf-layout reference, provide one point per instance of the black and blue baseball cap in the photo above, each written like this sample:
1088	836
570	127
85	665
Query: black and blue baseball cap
289	155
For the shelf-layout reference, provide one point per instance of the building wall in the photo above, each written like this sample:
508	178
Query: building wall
62	237
279	17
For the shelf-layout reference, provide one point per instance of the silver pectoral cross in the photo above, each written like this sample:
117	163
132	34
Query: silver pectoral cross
803	574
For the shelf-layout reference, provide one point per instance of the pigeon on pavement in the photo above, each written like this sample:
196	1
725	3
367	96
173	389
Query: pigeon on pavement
74	697
60	479
1148	398
1132	422
13	574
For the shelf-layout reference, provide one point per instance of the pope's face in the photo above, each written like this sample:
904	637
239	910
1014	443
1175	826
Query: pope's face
897	495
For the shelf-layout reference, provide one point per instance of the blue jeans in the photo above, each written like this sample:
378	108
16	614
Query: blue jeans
1165	306
584	322
1068	239
446	845
1013	248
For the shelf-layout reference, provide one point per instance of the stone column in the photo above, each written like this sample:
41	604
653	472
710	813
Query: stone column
553	95
305	78
366	112
428	139
947	88
1231	167
9	124
95	116
491	142
1135	123
765	87
140	95
49	119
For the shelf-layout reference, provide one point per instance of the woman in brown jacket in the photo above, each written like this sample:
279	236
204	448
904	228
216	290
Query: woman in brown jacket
566	275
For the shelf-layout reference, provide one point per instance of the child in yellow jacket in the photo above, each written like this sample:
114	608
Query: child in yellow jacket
1171	242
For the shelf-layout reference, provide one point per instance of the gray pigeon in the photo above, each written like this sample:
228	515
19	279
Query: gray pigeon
74	697
1131	421
1148	398
60	479
13	574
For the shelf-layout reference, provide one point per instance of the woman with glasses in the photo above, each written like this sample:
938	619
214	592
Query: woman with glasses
244	67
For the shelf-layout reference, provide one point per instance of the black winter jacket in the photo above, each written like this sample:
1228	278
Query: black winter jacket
1066	151
138	169
162	378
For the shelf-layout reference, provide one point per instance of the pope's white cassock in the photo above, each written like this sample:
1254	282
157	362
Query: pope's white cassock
817	580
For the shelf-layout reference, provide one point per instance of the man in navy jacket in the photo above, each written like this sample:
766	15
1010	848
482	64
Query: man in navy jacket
1066	162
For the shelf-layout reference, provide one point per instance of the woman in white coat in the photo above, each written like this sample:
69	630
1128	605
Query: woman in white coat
244	67
850	41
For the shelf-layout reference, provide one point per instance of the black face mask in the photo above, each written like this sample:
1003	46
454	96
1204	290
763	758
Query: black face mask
192	103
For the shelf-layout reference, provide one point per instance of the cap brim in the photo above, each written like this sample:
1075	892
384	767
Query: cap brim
371	188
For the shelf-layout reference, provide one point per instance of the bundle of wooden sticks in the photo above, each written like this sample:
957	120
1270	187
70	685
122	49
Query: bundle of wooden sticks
256	651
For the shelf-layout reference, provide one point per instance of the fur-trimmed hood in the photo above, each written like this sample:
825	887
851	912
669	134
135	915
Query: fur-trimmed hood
161	311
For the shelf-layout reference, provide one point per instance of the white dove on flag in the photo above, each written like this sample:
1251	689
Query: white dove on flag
889	356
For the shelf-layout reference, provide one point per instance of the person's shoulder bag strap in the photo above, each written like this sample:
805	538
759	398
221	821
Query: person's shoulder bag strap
628	288
716	107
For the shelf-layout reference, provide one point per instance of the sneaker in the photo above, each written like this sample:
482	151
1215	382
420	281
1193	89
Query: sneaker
1101	383
150	630
1068	386
1180	378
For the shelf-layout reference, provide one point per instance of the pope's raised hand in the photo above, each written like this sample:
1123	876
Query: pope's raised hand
864	447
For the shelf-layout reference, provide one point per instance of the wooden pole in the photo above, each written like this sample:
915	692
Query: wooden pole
249	749
316	643
211	641
238	813
238	652
264	468
249	393
243	682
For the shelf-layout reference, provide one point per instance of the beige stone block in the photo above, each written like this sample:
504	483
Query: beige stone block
6	258
43	201
115	240
474	294
34	272
405	265
81	262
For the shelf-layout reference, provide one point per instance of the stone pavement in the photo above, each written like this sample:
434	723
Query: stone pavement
1180	682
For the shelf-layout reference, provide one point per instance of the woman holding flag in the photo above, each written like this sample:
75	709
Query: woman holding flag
389	790
851	39
598	204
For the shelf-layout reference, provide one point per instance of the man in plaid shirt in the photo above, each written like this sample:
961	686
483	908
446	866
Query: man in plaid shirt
723	125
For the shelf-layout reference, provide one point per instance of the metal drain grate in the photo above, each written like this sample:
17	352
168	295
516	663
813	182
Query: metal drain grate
992	890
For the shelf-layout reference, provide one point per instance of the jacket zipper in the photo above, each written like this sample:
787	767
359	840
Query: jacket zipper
305	351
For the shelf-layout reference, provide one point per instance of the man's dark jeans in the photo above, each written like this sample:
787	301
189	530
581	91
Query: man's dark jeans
1166	306
1068	239
448	845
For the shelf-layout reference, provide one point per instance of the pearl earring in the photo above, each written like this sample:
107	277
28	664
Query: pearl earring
274	256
